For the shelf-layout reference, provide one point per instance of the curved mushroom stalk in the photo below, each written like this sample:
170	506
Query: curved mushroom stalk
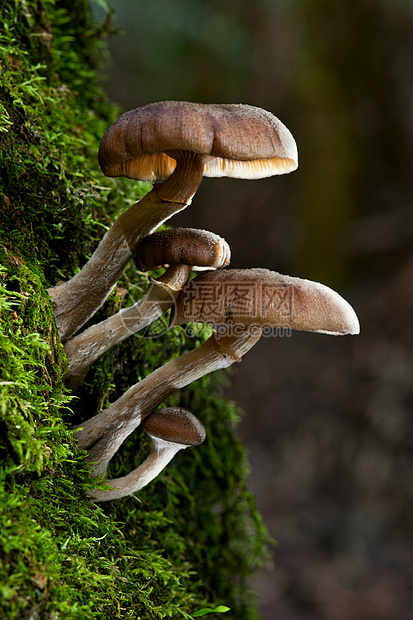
171	430
78	299
245	301
181	249
177	142
103	434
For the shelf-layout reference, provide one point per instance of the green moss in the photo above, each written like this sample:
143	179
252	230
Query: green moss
191	538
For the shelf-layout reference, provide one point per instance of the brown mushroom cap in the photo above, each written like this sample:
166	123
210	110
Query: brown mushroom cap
248	297
240	141
176	425
183	246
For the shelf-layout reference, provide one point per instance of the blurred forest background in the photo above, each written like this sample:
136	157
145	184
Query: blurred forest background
329	421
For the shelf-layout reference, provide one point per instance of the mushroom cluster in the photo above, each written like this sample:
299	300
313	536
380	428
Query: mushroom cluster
174	144
182	249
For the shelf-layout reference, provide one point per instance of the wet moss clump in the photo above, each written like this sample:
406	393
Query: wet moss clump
191	538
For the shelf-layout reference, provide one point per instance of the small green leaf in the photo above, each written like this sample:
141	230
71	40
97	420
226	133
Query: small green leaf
221	609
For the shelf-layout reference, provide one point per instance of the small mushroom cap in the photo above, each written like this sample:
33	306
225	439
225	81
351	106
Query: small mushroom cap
238	140
183	246
176	425
248	297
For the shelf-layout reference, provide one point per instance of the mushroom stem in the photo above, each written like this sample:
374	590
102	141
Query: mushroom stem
103	434
85	348
161	454
186	177
79	298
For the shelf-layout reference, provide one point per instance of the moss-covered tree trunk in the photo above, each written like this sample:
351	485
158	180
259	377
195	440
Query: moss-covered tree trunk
191	538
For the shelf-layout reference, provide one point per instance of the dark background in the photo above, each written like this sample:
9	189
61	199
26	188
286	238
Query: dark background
329	421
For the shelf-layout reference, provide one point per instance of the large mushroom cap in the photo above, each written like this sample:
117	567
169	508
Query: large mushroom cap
176	425
240	141
248	297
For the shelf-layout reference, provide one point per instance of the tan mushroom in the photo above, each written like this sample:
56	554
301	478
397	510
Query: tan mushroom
245	301
263	298
180	142
171	430
181	250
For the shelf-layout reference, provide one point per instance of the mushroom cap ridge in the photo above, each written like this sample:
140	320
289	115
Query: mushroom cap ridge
176	425
241	141
248	297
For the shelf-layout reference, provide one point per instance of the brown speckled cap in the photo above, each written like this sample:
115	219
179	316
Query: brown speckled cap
183	246
176	425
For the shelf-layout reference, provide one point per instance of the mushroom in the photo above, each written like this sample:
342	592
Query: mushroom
243	303
265	299
181	249
170	430
180	142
